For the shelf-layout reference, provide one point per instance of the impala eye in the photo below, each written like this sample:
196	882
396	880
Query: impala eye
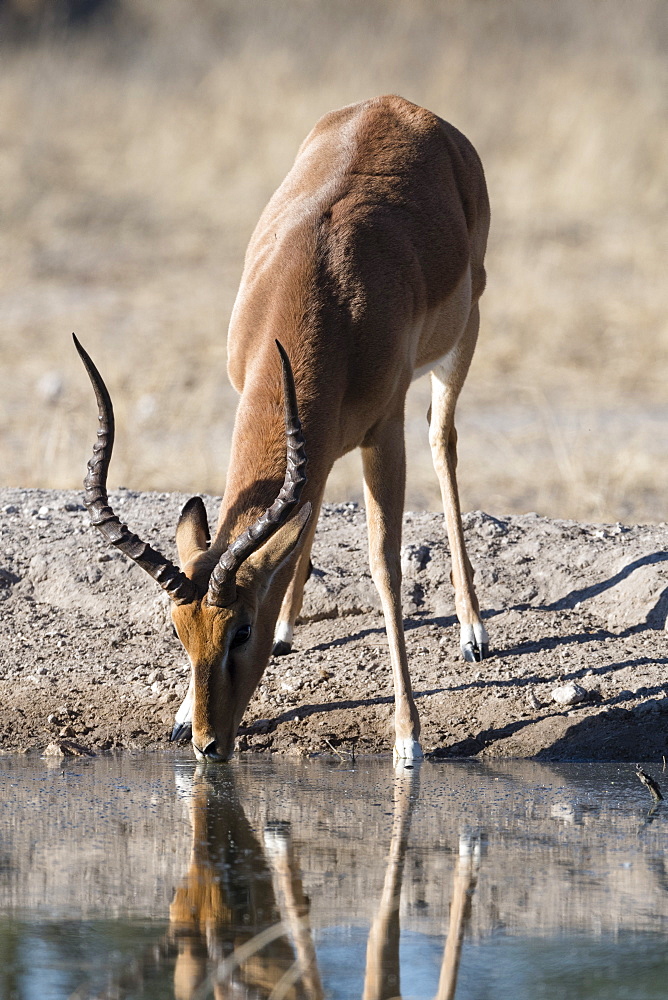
241	636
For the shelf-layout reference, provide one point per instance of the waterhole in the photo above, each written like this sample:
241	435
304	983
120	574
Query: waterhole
154	877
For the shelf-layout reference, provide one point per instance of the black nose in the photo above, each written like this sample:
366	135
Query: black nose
211	752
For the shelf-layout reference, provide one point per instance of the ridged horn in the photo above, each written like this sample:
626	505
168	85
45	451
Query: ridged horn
178	586
222	584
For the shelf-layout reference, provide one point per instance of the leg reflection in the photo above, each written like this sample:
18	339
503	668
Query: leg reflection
294	907
381	980
382	977
465	881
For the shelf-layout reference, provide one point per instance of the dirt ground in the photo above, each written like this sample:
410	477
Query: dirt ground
87	652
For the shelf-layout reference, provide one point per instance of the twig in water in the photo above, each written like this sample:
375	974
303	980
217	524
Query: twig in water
649	783
341	753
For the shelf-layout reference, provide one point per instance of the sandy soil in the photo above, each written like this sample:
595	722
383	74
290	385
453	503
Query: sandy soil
87	652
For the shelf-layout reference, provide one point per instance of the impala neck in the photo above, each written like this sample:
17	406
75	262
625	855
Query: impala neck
258	456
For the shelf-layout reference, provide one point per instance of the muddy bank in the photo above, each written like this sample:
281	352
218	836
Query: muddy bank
87	652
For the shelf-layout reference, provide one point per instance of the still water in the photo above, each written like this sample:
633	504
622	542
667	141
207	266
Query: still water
153	877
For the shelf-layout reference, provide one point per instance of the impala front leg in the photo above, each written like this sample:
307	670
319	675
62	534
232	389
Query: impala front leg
384	462
183	720
292	602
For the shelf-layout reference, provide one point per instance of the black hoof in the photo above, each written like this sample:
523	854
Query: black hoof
281	648
474	653
181	732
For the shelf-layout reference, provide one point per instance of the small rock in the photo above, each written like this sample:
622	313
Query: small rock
67	731
533	701
50	386
155	675
414	558
53	720
11	509
569	694
67	748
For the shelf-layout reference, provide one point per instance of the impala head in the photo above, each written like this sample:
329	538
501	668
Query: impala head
224	606
228	630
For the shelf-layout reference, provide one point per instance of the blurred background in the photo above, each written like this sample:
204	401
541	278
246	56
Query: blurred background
140	139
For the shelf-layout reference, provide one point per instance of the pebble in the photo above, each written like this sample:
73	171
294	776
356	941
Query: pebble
67	748
414	558
533	700
569	694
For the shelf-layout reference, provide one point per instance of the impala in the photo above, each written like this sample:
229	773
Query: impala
365	268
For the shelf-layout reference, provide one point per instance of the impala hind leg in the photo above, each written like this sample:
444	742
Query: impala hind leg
294	595
384	463
446	382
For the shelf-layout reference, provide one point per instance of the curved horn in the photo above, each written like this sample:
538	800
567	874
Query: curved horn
178	586
222	586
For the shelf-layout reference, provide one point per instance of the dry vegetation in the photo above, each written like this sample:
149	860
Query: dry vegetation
136	155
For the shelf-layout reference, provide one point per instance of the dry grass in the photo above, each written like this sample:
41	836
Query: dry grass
134	161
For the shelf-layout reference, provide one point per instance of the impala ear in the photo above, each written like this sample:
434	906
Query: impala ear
192	531
270	557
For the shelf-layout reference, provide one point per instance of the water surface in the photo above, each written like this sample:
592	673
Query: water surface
152	877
